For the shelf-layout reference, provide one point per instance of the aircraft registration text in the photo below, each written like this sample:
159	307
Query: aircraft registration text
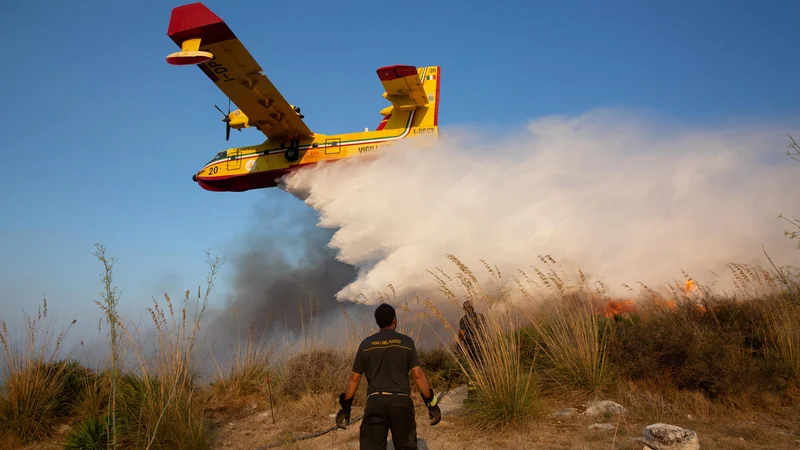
220	70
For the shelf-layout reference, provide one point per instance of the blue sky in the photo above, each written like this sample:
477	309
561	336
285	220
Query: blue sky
101	136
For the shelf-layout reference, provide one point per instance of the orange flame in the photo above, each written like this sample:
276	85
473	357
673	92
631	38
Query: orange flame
620	307
628	307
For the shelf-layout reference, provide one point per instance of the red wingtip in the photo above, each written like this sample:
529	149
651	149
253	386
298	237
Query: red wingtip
397	71
196	20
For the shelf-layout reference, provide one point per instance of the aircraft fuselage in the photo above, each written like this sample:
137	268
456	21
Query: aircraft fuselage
261	166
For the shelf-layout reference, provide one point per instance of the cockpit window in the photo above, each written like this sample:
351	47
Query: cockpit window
220	155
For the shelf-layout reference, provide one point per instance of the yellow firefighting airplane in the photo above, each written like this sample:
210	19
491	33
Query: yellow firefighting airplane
205	40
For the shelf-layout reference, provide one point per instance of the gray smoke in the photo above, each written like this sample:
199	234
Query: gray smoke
284	277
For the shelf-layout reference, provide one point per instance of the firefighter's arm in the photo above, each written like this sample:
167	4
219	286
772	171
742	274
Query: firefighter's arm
352	385
421	381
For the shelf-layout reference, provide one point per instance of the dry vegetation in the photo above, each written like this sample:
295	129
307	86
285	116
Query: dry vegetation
551	341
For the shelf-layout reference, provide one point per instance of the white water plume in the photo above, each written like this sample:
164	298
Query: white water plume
626	198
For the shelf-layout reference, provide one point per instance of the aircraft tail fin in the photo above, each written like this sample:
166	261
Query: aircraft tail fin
411	89
430	82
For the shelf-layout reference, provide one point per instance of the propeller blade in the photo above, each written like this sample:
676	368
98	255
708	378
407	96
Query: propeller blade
227	131
226	117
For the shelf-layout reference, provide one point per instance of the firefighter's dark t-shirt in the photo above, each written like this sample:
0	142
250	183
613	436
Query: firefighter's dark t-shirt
385	358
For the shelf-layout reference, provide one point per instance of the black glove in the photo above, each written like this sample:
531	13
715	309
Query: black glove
343	416
434	413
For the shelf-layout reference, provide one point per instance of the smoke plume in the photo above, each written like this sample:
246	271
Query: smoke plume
626	198
284	276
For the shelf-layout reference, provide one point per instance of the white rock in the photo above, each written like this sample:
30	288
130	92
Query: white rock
601	426
601	407
454	400
661	436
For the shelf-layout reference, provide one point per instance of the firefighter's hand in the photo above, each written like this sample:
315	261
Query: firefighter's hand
343	416
434	413
342	419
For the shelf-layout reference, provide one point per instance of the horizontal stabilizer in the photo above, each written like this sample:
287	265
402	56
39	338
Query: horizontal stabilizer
403	87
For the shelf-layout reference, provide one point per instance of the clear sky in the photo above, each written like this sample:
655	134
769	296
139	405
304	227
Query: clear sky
101	135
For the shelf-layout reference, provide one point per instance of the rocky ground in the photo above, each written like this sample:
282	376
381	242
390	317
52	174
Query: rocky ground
590	425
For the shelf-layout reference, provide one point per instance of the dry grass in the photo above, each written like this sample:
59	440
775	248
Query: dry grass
35	393
506	390
158	405
575	342
249	370
730	347
315	371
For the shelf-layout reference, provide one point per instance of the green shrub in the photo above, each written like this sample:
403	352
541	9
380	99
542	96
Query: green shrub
91	433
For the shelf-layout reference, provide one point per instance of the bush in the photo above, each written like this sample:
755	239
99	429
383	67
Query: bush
38	389
574	341
441	368
91	433
716	346
315	371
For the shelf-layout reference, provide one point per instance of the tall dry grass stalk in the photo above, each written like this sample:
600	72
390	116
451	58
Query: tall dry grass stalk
573	338
109	307
575	341
778	294
33	393
248	370
506	389
157	401
783	334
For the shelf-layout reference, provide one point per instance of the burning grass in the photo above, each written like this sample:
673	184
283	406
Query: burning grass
546	337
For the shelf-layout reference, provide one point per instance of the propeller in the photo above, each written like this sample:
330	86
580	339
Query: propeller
227	120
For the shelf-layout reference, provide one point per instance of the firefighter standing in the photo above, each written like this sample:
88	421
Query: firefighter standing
386	358
472	329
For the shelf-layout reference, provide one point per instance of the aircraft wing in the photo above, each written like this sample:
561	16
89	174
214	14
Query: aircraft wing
235	72
403	87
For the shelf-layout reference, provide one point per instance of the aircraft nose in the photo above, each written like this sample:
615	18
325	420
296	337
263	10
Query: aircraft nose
194	178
